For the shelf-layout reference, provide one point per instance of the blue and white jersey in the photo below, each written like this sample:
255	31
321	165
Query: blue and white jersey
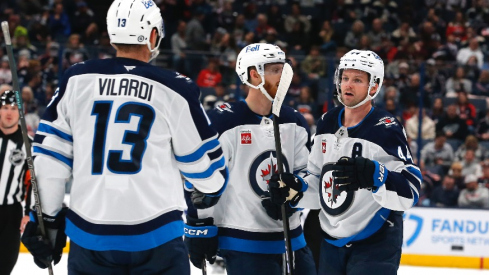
248	143
356	215
126	132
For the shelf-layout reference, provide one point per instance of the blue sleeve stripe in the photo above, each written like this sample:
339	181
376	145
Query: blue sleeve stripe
414	180
53	131
373	226
55	155
131	243
207	173
199	153
380	178
304	184
260	246
188	185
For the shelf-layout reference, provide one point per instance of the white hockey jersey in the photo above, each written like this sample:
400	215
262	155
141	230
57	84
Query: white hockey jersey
353	216
248	143
125	131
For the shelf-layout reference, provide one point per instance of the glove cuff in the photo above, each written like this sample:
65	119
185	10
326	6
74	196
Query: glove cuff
200	222
200	228
294	182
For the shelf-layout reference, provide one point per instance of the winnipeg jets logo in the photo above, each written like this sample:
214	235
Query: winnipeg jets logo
224	107
179	75
331	190
333	201
268	172
261	170
387	121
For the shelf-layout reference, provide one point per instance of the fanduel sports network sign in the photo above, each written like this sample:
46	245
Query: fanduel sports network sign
456	232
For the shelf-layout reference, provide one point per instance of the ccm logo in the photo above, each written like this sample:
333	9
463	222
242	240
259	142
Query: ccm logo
194	232
381	172
245	138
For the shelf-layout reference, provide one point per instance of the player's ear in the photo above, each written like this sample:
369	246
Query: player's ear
153	38
374	89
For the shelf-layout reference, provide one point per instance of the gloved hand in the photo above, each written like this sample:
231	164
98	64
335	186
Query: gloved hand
358	173
286	187
46	251
274	211
201	200
201	240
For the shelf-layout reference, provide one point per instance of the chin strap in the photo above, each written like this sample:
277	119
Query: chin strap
260	87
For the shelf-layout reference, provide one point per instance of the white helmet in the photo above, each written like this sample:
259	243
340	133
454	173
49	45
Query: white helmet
257	55
366	61
131	22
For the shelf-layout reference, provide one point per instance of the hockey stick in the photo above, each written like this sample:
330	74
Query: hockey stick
204	267
30	164
282	89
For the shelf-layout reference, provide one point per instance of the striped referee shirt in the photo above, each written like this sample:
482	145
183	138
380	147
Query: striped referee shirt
14	181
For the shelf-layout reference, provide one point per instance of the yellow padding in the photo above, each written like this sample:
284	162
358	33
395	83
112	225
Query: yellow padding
24	250
445	261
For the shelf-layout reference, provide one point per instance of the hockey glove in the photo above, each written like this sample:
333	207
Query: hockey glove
201	200
358	173
201	240
287	187
46	251
274	211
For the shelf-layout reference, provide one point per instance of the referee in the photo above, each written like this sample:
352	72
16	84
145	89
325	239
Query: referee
14	182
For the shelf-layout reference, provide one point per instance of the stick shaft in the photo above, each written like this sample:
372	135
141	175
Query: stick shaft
288	243
29	160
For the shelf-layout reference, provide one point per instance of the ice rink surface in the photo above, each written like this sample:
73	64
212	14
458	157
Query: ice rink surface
25	266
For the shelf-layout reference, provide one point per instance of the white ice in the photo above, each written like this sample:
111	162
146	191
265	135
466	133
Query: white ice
25	265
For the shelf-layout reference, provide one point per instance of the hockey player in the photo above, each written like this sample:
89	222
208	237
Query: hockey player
361	163
125	131
250	231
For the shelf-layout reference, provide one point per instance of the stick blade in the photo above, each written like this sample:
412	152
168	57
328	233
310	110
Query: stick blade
283	87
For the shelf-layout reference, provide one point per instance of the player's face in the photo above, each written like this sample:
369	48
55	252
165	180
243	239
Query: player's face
354	86
273	72
9	116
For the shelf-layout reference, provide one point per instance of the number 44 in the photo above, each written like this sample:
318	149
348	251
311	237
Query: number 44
401	154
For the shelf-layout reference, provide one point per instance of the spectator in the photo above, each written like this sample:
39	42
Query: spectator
474	195
377	34
353	36
5	72
452	125
410	94
437	153
482	129
327	37
436	112
298	39
484	180
445	195
428	126
262	26
59	23
474	50
84	22
458	83
435	79
210	76
306	104
195	34
456	172
275	18
466	110
314	65
471	143
470	165
482	84
74	52
457	27
104	49
295	16
178	46
22	44
404	34
226	18
214	100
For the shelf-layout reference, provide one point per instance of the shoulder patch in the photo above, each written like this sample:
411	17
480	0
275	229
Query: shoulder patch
387	121
224	107
179	75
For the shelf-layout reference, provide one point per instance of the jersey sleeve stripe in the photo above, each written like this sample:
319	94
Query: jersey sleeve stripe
200	152
55	155
51	130
207	173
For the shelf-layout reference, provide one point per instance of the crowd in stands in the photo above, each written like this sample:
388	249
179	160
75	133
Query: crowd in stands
436	56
